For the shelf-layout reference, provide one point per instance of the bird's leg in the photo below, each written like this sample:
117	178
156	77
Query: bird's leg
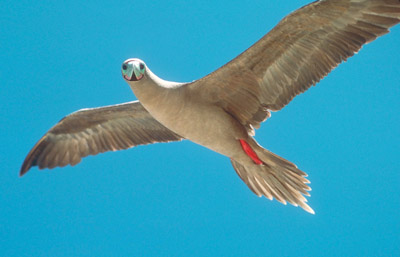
250	152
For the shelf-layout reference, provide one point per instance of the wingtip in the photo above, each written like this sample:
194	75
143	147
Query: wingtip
23	170
26	165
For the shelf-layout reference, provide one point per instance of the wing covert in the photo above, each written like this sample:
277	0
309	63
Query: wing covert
96	130
302	49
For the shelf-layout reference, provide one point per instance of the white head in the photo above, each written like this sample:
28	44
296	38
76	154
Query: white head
133	70
138	75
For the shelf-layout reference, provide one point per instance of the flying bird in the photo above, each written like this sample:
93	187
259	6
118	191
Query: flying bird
222	110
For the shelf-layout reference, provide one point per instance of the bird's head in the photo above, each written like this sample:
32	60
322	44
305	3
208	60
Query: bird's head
133	70
142	81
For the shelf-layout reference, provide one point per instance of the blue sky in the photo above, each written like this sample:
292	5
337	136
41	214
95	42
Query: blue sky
181	199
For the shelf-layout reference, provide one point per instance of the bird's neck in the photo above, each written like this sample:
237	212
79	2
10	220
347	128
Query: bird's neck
157	94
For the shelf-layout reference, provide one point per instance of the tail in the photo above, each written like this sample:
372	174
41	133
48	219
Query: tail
275	178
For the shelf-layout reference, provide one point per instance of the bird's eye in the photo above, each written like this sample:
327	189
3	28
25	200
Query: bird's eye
124	67
141	66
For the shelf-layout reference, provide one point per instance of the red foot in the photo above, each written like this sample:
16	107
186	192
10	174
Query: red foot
250	152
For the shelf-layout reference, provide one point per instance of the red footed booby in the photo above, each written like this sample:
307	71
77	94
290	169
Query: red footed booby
221	110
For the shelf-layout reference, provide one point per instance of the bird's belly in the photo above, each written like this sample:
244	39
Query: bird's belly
209	126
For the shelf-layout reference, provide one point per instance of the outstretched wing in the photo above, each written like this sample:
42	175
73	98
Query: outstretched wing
92	131
303	48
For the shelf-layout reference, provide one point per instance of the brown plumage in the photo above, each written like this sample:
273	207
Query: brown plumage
97	130
221	110
302	49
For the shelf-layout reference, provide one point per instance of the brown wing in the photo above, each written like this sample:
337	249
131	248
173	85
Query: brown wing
92	131
302	49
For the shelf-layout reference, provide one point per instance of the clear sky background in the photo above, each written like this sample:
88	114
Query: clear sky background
180	199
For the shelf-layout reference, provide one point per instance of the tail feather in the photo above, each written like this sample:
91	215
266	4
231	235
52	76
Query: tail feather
276	178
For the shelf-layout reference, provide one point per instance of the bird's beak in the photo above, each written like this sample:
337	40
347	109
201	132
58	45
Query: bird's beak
131	70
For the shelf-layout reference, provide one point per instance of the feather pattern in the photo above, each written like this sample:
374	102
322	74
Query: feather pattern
302	49
97	130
